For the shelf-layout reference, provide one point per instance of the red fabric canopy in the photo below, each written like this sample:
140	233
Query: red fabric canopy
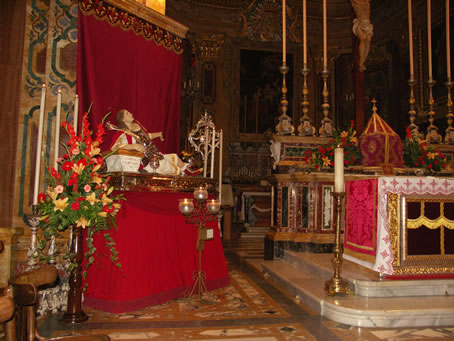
118	69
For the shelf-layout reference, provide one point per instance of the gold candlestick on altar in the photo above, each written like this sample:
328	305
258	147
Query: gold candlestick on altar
305	128
326	126
411	82
284	127
336	285
449	132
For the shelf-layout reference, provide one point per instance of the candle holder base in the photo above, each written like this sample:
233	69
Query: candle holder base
337	286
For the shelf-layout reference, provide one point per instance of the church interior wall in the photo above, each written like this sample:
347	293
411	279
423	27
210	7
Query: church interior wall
42	49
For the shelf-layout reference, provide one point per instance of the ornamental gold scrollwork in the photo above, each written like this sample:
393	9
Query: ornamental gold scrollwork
393	221
210	45
423	271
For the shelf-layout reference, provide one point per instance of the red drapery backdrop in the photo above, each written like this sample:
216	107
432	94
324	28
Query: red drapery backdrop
120	69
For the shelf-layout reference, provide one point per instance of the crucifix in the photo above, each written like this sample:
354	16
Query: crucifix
362	35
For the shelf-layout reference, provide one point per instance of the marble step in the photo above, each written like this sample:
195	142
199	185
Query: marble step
355	310
367	282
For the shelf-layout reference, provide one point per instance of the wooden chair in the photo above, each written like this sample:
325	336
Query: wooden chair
25	293
6	314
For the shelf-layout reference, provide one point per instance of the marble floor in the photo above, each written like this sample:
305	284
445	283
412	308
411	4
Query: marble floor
250	309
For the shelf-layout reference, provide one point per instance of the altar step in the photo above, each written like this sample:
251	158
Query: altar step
255	231
412	303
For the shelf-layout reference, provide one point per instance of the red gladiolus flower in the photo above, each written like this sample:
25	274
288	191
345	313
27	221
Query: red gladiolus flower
346	162
80	199
41	197
331	163
75	206
408	132
321	150
429	166
435	162
416	164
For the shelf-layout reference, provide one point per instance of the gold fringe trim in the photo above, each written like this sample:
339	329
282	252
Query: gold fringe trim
430	223
127	22
360	256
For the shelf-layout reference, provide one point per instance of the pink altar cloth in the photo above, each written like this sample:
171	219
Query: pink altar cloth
157	252
382	262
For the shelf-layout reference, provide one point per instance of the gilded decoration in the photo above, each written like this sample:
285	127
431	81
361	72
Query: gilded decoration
432	224
155	183
393	216
126	21
210	45
262	21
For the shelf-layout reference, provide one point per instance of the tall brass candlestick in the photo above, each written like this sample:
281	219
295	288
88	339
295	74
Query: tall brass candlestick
336	285
411	81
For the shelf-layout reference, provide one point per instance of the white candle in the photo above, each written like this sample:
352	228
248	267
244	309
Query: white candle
284	33
205	157
40	143
429	37
448	43
325	39
76	112
57	129
339	170
213	152
304	34
220	165
410	38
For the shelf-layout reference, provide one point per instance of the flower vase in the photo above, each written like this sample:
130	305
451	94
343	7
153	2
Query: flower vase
74	313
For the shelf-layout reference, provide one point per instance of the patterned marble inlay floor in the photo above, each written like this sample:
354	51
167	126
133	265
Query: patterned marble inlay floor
242	299
274	332
250	309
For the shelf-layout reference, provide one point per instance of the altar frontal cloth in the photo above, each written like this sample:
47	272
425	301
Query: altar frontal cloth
361	220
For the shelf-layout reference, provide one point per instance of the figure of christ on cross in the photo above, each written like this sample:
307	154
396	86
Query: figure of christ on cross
363	29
